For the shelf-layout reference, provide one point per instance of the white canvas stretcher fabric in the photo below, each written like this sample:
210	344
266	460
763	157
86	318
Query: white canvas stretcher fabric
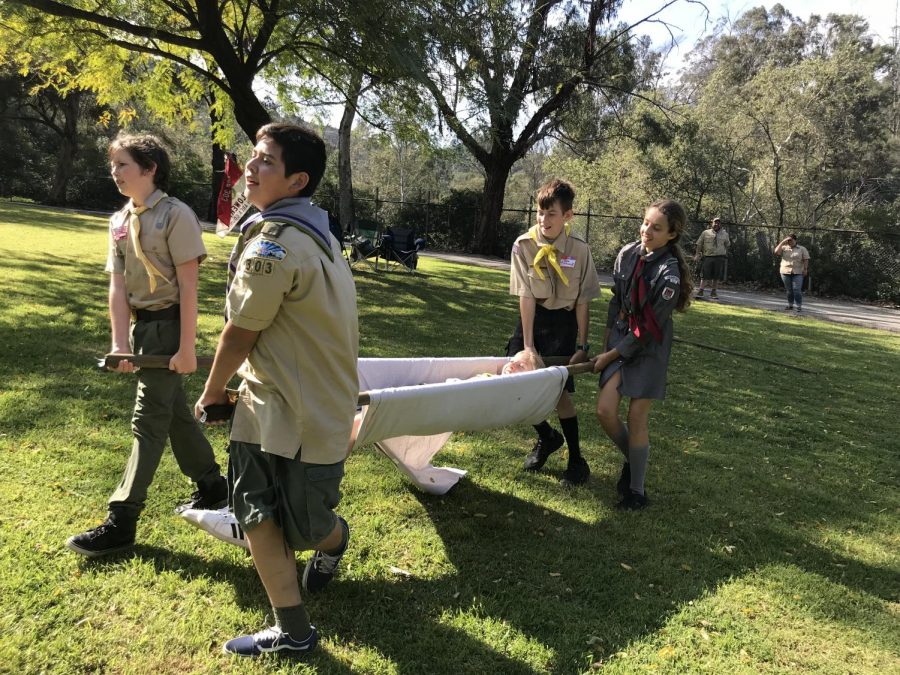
414	409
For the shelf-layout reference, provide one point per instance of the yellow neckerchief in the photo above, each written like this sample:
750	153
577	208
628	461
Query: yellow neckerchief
547	251
134	231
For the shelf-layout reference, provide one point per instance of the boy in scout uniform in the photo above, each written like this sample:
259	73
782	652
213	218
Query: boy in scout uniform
292	335
553	274
155	250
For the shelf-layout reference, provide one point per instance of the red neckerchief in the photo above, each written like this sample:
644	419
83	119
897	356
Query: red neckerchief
642	319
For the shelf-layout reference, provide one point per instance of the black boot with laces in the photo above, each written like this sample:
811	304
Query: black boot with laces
542	450
115	534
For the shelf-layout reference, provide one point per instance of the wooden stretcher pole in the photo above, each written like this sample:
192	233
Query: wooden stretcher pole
162	361
147	361
581	368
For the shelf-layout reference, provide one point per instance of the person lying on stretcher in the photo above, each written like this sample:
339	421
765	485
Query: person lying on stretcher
224	526
522	362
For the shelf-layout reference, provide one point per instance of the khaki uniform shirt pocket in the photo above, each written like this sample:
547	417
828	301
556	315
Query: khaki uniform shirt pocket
541	289
155	243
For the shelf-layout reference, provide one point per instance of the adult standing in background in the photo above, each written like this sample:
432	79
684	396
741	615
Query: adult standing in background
712	247
794	266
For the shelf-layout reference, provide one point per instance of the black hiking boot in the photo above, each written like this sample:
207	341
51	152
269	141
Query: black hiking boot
209	496
576	473
115	534
633	501
623	486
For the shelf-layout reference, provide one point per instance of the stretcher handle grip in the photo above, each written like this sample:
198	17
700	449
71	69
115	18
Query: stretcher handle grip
147	360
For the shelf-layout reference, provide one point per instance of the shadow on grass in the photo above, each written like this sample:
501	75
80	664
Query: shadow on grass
415	642
745	457
563	582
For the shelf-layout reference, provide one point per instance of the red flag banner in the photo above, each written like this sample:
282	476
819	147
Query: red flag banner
233	173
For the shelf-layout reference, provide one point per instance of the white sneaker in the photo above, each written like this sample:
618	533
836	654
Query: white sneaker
220	523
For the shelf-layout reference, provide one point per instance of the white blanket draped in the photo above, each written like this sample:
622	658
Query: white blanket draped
414	409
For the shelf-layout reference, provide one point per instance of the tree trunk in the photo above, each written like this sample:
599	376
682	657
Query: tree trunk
218	175
484	240
778	196
217	164
68	148
346	209
248	110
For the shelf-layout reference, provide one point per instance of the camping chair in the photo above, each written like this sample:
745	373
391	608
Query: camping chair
400	248
334	226
364	245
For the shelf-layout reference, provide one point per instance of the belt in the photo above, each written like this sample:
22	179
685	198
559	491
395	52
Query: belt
170	313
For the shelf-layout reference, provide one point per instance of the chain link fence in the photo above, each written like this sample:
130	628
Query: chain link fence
844	262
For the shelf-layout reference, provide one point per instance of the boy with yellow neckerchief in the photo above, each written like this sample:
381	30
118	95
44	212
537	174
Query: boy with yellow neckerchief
155	250
553	274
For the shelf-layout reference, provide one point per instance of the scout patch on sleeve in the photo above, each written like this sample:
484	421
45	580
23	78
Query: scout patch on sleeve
671	278
261	257
263	248
567	261
258	266
515	247
668	293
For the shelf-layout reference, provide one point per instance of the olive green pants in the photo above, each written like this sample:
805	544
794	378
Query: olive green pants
161	411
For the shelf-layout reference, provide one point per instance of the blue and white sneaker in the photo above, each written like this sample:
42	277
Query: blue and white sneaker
271	641
321	567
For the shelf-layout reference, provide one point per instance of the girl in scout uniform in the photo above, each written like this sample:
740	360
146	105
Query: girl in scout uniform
553	274
650	279
155	249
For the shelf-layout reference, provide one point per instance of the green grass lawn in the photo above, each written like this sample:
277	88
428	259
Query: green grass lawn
771	544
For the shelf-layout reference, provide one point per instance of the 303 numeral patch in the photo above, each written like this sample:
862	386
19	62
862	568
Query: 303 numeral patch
258	266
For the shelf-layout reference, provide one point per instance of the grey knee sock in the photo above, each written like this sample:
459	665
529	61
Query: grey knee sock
637	458
293	620
621	441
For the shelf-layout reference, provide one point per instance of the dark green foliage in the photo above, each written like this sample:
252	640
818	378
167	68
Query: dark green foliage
858	265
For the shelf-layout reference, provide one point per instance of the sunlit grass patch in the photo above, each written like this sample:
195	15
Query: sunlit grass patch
770	544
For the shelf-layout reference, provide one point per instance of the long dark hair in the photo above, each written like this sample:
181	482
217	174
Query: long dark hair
675	214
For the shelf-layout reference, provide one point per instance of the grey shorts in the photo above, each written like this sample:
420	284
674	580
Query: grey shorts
298	496
713	267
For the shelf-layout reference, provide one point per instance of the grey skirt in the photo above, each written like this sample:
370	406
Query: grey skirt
643	375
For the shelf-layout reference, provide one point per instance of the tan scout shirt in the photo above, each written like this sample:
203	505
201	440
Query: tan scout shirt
576	262
170	236
711	243
300	381
792	259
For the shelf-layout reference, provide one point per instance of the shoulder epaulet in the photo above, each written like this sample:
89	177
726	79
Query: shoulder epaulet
272	229
275	224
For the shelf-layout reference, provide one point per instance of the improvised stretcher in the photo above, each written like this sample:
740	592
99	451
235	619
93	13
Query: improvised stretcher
411	407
